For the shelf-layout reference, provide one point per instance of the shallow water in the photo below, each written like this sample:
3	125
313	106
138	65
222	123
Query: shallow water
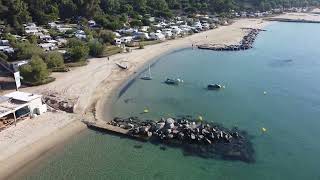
285	63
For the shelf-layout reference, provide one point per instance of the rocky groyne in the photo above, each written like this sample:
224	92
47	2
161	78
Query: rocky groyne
246	43
194	137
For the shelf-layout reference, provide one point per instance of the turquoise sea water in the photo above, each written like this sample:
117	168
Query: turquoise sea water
285	63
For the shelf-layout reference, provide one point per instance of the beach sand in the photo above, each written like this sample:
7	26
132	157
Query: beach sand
94	85
314	16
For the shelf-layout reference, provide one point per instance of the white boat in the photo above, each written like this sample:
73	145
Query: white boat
147	77
122	66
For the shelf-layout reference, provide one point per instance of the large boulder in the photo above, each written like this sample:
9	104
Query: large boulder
160	125
170	126
143	129
207	140
181	135
192	136
168	131
170	121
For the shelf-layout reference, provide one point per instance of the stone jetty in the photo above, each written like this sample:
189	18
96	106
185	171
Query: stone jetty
246	43
194	137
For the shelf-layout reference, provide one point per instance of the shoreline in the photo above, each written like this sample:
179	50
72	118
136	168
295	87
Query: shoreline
97	89
103	107
37	151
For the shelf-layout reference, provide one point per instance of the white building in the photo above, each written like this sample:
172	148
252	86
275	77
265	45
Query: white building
31	29
176	30
167	33
80	34
48	46
126	39
92	23
15	65
198	25
17	105
141	35
61	41
144	28
6	49
185	29
63	28
52	24
117	41
4	42
157	36
128	31
45	38
206	26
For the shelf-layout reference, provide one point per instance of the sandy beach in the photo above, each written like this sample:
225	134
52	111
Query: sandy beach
94	86
313	16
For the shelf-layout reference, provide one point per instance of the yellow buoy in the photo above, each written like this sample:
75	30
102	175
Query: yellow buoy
263	129
146	110
200	118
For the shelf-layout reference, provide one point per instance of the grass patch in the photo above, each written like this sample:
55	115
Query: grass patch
45	81
147	43
76	64
111	50
60	69
142	43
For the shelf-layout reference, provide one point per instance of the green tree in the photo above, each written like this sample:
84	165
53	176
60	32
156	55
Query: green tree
43	11
136	23
67	9
106	36
89	8
15	13
110	6
54	60
77	50
36	71
32	39
26	50
96	49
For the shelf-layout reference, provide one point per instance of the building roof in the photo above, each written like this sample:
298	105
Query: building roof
7	107
14	101
23	96
3	99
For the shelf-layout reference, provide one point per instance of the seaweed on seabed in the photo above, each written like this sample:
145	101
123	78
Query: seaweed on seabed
194	138
236	150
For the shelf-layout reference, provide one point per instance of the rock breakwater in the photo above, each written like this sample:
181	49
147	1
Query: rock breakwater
194	137
246	43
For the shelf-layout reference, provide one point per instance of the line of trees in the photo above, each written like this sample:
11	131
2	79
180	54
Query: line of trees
113	13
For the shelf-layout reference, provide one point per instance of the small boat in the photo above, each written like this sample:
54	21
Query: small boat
172	81
122	66
147	77
214	86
